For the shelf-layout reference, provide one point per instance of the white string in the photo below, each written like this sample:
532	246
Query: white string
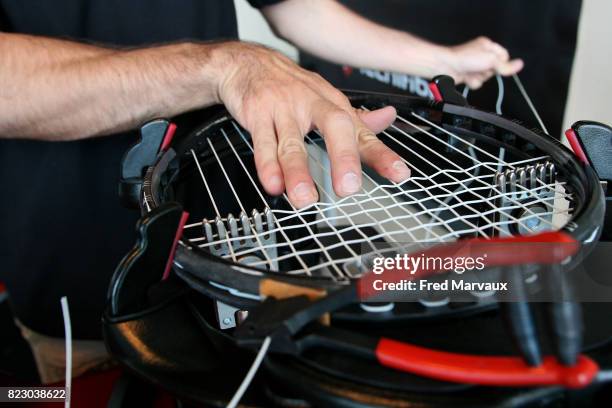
68	347
265	253
353	253
431	192
381	235
212	200
360	203
430	163
390	233
496	209
297	213
300	260
498	109
348	217
250	374
491	166
536	200
383	187
523	91
500	94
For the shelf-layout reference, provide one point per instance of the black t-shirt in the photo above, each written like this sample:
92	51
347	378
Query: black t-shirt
542	32
62	230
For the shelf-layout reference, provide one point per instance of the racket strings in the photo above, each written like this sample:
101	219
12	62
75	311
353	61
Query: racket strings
454	192
501	164
497	164
529	102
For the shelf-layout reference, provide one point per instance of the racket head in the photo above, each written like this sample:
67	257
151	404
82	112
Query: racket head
170	178
445	129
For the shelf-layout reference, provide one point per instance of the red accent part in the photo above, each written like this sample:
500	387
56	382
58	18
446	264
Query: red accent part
547	248
168	137
436	92
550	237
483	370
572	138
91	390
346	70
177	236
2	287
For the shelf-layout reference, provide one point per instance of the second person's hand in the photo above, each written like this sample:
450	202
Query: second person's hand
474	62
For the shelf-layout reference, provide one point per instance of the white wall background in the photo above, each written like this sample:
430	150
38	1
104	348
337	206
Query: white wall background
590	94
253	27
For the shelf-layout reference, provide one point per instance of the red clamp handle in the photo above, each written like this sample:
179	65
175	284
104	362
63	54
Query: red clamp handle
168	136
483	370
574	142
443	89
435	91
177	237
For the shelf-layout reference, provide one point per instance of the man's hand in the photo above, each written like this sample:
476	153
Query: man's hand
80	91
278	103
474	62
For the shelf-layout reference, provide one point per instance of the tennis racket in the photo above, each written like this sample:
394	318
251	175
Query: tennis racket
278	275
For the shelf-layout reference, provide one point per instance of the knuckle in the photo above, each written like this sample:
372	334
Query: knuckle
317	77
273	92
268	167
338	117
492	59
290	146
263	144
347	155
341	99
368	141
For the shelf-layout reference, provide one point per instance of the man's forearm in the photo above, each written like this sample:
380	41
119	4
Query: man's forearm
329	30
61	90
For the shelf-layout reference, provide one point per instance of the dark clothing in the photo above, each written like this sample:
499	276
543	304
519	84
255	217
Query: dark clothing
62	230
542	32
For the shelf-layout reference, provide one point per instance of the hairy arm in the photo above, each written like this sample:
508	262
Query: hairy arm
331	31
61	90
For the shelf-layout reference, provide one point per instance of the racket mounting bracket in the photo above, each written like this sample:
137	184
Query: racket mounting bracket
237	234
531	184
233	235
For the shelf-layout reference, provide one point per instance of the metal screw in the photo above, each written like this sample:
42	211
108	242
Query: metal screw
227	321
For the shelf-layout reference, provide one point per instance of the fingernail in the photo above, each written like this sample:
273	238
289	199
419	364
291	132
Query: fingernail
350	183
402	171
304	192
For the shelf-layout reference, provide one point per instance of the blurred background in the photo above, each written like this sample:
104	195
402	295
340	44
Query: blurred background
564	86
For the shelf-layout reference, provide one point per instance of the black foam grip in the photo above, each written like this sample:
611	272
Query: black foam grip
142	154
596	141
448	91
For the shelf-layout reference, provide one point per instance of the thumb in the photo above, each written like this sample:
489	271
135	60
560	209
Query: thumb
378	120
510	67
